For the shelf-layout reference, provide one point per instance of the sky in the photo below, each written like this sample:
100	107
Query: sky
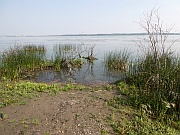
57	17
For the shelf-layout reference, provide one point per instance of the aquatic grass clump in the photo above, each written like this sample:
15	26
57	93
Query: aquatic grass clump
35	56
158	74
21	59
66	51
67	56
25	61
158	83
117	60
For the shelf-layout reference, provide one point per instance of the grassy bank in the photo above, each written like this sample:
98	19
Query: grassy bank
152	83
18	92
155	73
123	117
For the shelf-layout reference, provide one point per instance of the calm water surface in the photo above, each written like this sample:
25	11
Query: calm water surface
103	44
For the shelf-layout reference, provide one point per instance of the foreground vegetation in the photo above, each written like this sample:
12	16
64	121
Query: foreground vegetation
124	119
13	92
157	77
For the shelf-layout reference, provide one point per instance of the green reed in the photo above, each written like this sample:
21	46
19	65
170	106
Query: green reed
158	84
158	72
66	56
117	60
67	51
21	59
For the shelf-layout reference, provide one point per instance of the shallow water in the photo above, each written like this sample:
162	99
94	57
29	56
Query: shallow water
89	72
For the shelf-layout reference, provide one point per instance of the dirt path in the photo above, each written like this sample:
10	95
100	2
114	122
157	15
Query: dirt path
68	113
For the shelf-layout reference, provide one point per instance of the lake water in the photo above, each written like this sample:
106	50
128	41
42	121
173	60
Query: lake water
103	44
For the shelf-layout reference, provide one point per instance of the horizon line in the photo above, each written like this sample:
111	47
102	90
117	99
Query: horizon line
97	34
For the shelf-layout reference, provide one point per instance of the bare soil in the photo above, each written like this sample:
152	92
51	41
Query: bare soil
68	113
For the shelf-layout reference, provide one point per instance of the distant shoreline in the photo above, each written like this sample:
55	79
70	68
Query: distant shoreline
112	34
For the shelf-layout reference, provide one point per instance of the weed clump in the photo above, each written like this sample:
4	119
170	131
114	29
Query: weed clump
158	75
117	60
20	59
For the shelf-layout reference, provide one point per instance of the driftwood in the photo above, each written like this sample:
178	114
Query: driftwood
90	57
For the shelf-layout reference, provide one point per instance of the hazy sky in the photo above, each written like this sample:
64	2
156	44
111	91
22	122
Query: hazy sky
46	17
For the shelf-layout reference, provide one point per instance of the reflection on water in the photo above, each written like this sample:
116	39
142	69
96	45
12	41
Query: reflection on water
46	76
90	72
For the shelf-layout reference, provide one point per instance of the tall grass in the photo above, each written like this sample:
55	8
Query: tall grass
66	56
159	86
20	59
117	60
158	74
